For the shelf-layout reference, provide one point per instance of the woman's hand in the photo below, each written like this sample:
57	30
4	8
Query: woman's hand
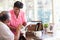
17	35
24	24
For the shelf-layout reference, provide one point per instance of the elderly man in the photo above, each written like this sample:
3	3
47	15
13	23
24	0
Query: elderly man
5	32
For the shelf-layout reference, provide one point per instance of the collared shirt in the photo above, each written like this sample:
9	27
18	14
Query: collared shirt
16	21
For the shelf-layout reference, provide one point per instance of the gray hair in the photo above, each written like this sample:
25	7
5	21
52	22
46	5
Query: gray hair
4	15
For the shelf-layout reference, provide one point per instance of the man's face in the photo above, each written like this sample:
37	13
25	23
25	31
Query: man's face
6	21
16	10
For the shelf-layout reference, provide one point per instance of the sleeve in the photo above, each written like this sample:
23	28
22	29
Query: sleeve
5	32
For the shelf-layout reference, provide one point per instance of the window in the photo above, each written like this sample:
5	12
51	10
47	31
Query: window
39	10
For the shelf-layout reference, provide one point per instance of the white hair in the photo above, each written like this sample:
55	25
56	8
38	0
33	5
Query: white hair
9	15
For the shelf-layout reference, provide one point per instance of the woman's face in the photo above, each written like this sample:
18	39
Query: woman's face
16	10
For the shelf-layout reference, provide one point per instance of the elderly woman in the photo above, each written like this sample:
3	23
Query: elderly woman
5	32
